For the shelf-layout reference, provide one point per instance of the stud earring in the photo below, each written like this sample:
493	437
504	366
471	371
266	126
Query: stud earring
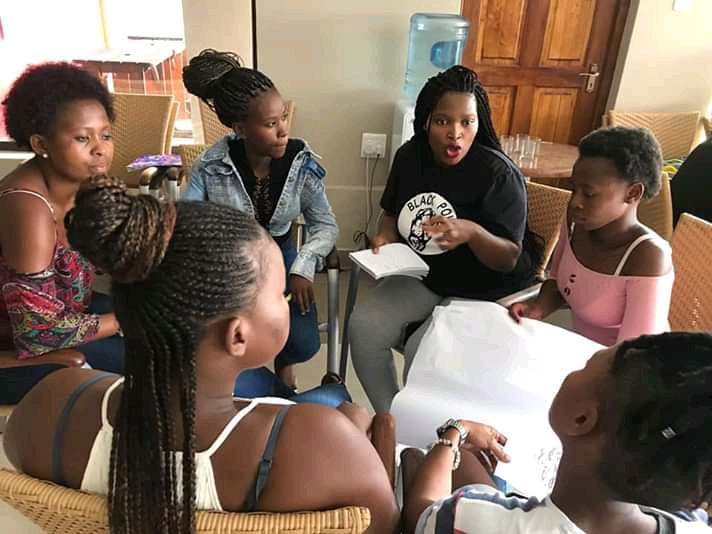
45	155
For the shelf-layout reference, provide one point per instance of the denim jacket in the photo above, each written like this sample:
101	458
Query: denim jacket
214	177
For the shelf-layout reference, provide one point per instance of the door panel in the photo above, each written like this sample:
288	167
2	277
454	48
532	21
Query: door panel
503	25
502	104
552	113
568	32
547	64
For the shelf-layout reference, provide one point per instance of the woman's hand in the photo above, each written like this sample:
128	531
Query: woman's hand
531	309
108	326
486	443
381	239
302	291
450	233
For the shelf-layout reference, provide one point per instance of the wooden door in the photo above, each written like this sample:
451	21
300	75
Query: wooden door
547	64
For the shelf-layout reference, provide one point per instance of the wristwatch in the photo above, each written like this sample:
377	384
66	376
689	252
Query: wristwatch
457	425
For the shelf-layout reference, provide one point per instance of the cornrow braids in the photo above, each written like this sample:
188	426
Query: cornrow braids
221	81
661	421
457	79
174	268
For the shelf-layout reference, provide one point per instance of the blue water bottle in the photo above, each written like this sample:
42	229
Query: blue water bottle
436	43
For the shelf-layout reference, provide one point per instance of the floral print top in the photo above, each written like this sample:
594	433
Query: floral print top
45	311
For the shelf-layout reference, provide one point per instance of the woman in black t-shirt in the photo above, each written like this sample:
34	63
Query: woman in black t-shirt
459	202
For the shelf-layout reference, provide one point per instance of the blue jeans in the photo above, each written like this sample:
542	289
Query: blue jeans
302	344
303	341
105	354
262	382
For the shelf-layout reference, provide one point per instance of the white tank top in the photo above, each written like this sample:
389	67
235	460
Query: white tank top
96	474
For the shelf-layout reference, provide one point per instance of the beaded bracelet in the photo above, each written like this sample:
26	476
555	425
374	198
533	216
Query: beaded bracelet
448	443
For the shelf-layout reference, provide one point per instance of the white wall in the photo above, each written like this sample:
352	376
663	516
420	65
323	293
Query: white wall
343	63
217	24
668	66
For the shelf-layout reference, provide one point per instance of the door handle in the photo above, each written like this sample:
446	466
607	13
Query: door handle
591	78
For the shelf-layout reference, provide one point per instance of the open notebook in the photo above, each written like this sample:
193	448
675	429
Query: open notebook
393	259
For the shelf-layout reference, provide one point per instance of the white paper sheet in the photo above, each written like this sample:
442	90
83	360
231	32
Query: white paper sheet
475	362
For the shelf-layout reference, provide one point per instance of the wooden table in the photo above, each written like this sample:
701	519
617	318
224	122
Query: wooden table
554	164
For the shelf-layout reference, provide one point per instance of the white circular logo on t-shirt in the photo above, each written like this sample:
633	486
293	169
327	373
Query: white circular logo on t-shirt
414	213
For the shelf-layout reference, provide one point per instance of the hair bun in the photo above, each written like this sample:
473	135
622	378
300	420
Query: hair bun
122	234
203	72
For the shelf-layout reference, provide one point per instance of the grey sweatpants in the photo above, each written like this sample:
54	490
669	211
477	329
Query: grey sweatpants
376	326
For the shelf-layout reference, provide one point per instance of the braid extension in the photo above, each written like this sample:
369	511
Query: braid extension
173	268
660	453
221	81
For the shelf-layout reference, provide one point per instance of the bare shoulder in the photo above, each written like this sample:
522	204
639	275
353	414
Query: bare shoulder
321	443
29	432
49	394
652	257
318	419
322	440
28	232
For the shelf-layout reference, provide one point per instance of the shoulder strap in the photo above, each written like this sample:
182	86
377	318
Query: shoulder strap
266	463
105	400
60	429
629	250
29	192
230	426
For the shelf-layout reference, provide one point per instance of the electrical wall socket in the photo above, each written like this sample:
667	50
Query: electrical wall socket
373	145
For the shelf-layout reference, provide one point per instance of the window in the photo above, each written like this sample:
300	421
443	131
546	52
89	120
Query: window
134	45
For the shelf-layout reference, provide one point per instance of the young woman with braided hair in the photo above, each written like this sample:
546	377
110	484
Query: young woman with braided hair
260	171
635	426
459	202
199	292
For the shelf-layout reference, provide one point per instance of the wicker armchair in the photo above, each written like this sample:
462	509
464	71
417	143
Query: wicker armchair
62	510
170	127
143	126
691	304
676	132
188	155
656	212
546	207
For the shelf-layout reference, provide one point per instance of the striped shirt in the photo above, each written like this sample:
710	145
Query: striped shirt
483	509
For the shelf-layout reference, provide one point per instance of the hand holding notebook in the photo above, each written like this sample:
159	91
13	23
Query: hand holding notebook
392	259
